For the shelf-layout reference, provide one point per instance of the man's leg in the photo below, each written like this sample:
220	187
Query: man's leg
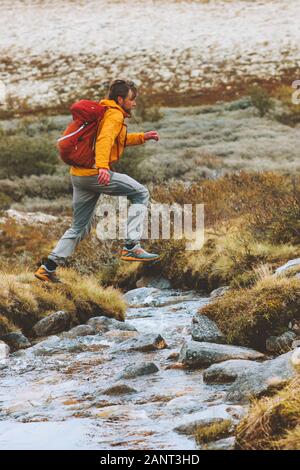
84	203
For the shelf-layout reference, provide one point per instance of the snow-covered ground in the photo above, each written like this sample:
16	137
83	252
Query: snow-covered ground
53	49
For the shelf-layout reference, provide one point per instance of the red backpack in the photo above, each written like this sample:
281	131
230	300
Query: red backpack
77	145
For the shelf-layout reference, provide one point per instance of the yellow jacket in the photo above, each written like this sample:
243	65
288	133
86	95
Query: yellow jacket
111	140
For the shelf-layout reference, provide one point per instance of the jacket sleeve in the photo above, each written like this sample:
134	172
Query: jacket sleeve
112	125
135	139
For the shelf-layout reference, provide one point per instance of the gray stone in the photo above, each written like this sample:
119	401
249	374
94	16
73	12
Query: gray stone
145	368
103	324
296	344
262	379
290	264
222	444
219	292
204	329
52	324
227	371
194	354
214	414
80	330
160	283
141	296
282	343
143	343
16	341
119	389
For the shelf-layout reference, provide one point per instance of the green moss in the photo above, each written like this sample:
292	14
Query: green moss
213	432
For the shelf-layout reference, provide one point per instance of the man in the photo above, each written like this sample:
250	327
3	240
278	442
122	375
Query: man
89	183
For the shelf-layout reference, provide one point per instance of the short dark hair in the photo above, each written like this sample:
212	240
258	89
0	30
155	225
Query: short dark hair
121	88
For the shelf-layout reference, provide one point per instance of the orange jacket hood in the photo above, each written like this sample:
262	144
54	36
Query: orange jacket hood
113	104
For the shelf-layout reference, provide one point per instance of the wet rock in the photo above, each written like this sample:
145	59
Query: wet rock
119	389
213	414
227	371
80	330
145	368
219	292
296	344
204	329
262	379
282	343
52	324
4	353
142	296
223	444
293	263
103	324
15	341
157	282
143	343
194	354
184	404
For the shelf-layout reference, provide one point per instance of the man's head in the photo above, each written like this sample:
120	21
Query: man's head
124	93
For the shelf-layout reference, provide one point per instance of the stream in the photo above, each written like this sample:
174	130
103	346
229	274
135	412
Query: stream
54	394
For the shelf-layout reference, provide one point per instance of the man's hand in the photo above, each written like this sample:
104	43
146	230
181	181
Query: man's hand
103	176
151	135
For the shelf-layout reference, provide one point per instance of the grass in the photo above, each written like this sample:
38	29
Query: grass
213	432
249	316
25	300
273	423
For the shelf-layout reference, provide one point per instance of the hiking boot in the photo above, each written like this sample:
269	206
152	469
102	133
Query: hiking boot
137	253
47	276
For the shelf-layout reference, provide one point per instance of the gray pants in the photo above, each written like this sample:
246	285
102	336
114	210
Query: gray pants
86	192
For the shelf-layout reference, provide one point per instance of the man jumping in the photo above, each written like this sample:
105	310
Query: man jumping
89	183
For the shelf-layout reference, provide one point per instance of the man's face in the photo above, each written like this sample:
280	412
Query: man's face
129	103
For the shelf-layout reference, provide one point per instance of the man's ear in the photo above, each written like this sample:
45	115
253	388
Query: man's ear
120	100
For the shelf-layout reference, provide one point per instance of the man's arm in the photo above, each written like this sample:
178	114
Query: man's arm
140	138
110	130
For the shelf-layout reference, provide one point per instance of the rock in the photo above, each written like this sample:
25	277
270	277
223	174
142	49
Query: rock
260	380
80	330
157	282
295	358
204	329
290	264
4	353
52	324
282	343
143	343
227	371
294	325
16	341
219	292
296	344
194	354
31	217
142	296
145	368
213	414
119	389
223	444
103	324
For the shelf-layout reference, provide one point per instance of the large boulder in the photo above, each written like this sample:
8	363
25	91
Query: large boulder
264	378
103	324
143	343
204	329
214	414
282	343
133	371
227	371
196	355
80	330
16	341
52	324
219	292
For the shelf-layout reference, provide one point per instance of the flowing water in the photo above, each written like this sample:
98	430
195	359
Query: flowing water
52	393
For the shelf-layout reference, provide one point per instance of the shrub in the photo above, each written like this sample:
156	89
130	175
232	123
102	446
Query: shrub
249	316
147	111
261	100
21	156
5	201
